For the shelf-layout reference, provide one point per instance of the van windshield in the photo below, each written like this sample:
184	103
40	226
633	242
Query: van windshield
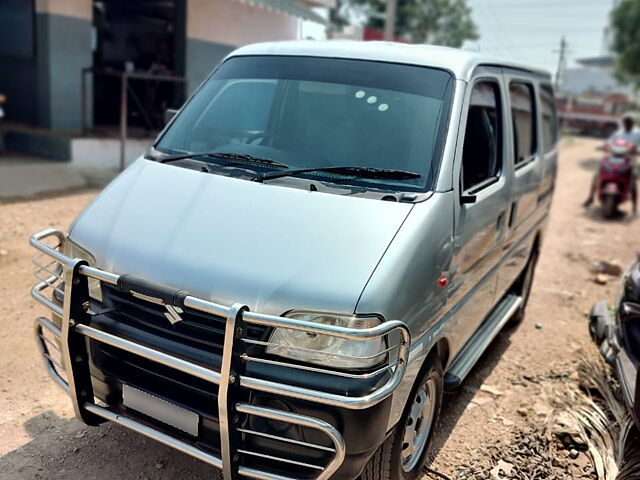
309	112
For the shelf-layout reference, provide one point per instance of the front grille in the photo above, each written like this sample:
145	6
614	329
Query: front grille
198	338
197	330
183	389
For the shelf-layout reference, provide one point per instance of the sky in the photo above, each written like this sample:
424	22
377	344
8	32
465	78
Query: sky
529	31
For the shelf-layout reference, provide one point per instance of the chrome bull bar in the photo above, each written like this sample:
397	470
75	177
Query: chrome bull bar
68	277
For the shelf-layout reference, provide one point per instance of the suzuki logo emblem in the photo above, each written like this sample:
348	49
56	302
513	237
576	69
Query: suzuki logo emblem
173	314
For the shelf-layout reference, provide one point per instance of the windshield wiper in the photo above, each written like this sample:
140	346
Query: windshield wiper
363	172
225	156
347	170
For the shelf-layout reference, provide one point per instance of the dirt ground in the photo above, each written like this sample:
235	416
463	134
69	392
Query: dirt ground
502	397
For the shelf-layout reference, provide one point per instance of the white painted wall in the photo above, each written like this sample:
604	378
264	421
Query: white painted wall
104	154
231	22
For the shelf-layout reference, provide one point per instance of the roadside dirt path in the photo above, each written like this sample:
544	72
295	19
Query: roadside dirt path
504	395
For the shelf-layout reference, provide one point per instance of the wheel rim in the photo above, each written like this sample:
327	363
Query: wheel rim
418	425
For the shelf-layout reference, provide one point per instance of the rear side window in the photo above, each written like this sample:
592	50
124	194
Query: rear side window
523	120
481	154
549	119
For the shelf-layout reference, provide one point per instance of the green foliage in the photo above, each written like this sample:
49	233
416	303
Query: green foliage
438	22
625	22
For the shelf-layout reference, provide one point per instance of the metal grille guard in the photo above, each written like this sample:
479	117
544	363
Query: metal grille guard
69	277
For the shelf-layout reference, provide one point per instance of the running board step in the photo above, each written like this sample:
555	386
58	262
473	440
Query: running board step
480	340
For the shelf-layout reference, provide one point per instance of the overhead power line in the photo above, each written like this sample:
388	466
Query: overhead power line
502	30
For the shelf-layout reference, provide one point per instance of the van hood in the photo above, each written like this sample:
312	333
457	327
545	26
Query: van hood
229	240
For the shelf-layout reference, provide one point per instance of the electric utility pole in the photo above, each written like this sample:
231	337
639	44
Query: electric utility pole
562	60
390	21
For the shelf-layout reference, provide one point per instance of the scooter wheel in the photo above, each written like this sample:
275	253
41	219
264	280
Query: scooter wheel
609	206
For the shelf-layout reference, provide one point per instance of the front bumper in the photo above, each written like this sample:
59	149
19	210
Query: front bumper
246	392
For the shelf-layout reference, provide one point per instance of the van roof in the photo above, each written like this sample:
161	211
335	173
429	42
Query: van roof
460	62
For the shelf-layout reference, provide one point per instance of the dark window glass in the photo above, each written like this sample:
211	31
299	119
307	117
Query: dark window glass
522	117
481	155
315	112
240	109
549	119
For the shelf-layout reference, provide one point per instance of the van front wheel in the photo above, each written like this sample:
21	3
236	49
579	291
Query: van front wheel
403	454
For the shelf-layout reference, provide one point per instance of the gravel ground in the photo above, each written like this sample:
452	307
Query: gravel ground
499	407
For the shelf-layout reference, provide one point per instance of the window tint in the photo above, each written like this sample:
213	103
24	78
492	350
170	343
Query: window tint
549	119
238	109
481	155
522	117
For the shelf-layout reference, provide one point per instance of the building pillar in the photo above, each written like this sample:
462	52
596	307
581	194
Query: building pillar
63	46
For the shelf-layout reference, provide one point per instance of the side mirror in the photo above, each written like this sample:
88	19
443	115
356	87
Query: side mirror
169	113
468	199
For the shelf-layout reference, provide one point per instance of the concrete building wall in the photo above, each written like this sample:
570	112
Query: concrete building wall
217	27
44	90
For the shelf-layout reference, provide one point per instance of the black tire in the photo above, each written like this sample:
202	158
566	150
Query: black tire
388	463
609	206
523	287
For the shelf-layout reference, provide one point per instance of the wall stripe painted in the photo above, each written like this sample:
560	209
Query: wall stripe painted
69	8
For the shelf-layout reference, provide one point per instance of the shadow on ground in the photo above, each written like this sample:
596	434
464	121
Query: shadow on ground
67	449
455	403
594	213
590	163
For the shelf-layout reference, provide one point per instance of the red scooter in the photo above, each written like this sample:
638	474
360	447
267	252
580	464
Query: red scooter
614	177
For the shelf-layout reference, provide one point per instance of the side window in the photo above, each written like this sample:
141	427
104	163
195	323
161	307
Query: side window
523	120
549	119
482	153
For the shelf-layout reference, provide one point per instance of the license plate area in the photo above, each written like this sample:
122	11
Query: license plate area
161	410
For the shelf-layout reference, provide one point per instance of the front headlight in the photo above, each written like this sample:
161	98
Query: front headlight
328	350
75	251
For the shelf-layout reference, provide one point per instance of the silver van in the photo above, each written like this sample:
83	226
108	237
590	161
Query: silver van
323	239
